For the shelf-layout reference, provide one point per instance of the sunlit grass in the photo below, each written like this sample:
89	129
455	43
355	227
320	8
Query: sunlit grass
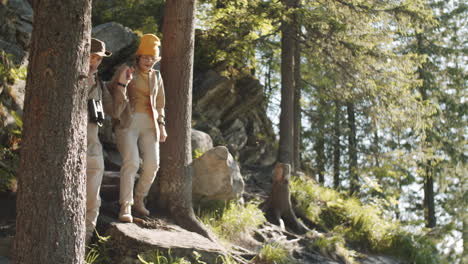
157	257
362	226
274	253
233	221
99	252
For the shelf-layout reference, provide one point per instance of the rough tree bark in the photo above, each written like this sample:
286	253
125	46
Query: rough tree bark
286	141
176	155
278	206
50	219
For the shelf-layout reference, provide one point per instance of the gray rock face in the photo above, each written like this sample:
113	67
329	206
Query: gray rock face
233	112
18	54
18	91
4	260
216	176
23	22
15	29
129	240
201	141
22	8
236	135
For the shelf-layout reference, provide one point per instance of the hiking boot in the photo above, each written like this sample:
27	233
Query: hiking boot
139	206
125	214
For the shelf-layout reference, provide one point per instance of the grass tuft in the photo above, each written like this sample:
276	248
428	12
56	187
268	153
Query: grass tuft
234	220
363	227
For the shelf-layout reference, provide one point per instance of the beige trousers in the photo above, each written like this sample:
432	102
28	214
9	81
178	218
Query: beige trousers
94	172
140	135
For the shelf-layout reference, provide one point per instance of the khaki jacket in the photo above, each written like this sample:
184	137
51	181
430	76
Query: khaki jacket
123	106
98	92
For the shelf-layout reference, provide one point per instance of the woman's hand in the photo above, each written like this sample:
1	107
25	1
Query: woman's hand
126	75
162	133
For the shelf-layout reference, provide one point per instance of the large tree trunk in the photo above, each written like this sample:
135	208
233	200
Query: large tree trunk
286	141
176	155
352	149
336	146
50	219
297	101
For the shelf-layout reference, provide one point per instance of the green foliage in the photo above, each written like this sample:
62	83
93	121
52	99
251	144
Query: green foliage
141	16
99	252
417	248
11	134
6	67
156	257
225	260
234	220
9	161
361	226
274	253
231	31
197	153
8	71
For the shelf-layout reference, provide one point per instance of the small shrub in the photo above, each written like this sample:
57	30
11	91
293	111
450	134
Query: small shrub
99	252
225	260
156	257
274	254
234	221
197	153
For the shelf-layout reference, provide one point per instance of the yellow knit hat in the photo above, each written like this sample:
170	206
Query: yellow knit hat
148	45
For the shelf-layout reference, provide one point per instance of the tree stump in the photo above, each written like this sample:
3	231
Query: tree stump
278	206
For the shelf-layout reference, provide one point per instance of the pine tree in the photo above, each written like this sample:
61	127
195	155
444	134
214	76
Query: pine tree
177	71
51	182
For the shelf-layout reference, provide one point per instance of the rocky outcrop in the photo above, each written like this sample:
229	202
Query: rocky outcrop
15	29
216	176
233	112
130	240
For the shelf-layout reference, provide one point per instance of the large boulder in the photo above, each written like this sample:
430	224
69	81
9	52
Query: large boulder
120	40
216	176
201	141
